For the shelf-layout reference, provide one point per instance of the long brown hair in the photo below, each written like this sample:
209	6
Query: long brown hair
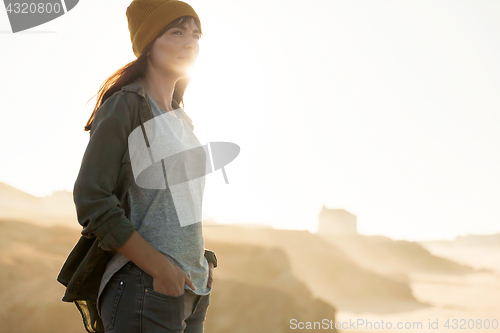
132	70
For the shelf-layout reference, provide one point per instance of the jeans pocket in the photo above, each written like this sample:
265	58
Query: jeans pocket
155	293
116	301
162	312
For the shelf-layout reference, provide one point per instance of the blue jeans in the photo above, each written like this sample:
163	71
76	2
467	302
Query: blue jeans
128	304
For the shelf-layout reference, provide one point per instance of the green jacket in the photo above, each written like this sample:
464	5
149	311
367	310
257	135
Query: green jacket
100	196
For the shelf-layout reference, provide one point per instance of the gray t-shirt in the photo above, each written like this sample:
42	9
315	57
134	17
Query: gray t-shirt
157	213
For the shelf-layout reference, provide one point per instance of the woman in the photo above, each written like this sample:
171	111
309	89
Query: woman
141	263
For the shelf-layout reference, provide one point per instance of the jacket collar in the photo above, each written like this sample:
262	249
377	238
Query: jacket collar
138	87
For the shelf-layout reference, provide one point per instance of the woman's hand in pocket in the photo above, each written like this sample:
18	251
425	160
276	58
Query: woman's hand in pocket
170	281
210	274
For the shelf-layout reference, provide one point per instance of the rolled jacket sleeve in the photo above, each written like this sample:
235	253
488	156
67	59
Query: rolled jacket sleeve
98	208
211	257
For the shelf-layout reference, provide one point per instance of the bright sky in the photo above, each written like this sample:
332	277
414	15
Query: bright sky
388	109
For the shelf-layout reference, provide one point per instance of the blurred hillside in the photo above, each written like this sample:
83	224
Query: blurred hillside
490	241
255	290
265	277
30	296
57	209
396	258
337	274
479	251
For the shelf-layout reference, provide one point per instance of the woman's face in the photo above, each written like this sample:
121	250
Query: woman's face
176	50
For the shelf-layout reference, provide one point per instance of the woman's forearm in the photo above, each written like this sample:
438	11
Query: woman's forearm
144	255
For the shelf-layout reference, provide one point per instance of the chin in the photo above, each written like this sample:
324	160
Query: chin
185	71
180	70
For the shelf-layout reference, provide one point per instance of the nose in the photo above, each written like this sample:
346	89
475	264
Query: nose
192	47
192	42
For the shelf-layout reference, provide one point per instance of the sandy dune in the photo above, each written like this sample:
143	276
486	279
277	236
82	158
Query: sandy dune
333	271
464	299
57	209
395	257
266	277
254	291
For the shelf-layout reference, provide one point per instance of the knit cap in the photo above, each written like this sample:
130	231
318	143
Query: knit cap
146	18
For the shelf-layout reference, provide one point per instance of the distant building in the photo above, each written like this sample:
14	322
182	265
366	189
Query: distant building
336	222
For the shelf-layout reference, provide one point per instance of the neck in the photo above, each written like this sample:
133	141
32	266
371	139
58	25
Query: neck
160	88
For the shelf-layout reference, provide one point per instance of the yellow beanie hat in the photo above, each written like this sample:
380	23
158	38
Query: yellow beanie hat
146	18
